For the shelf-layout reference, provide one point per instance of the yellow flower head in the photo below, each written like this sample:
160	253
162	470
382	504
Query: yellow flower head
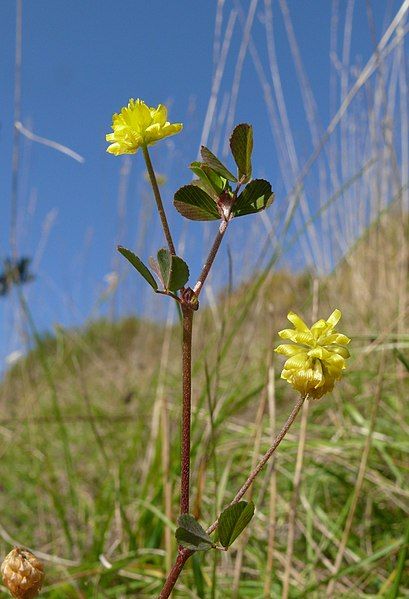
137	125
316	358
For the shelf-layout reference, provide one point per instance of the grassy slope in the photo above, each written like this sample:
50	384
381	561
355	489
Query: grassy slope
83	449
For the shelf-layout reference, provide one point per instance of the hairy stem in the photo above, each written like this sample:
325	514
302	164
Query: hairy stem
158	198
183	554
210	259
187	314
175	572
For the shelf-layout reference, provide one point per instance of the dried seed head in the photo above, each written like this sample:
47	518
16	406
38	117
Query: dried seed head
23	573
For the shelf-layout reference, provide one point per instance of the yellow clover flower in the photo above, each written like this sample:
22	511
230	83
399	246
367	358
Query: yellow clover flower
317	356
138	125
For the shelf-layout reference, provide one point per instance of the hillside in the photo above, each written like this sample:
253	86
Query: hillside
89	441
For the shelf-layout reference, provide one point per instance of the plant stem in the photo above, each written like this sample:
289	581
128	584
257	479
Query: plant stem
174	574
210	259
252	476
184	554
159	203
187	320
169	294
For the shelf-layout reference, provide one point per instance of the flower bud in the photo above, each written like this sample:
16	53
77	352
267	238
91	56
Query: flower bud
23	573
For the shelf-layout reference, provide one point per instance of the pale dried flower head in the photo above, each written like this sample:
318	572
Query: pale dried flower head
23	573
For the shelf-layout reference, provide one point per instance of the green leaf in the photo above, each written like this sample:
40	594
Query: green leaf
165	266
218	167
203	181
180	274
233	520
139	265
241	144
191	535
218	183
174	271
256	196
212	183
206	187
194	203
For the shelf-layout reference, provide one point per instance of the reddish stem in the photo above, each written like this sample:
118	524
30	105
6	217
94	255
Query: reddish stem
174	574
186	409
210	259
253	475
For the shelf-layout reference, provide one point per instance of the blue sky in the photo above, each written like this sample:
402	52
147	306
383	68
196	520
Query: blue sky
81	62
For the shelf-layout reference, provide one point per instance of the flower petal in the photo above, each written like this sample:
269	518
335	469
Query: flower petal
341	351
139	115
320	327
297	336
289	350
297	362
298	322
338	338
117	149
171	129
334	318
159	115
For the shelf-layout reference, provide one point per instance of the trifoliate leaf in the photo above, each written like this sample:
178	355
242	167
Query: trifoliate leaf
233	520
218	167
256	196
139	265
241	144
194	203
191	535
